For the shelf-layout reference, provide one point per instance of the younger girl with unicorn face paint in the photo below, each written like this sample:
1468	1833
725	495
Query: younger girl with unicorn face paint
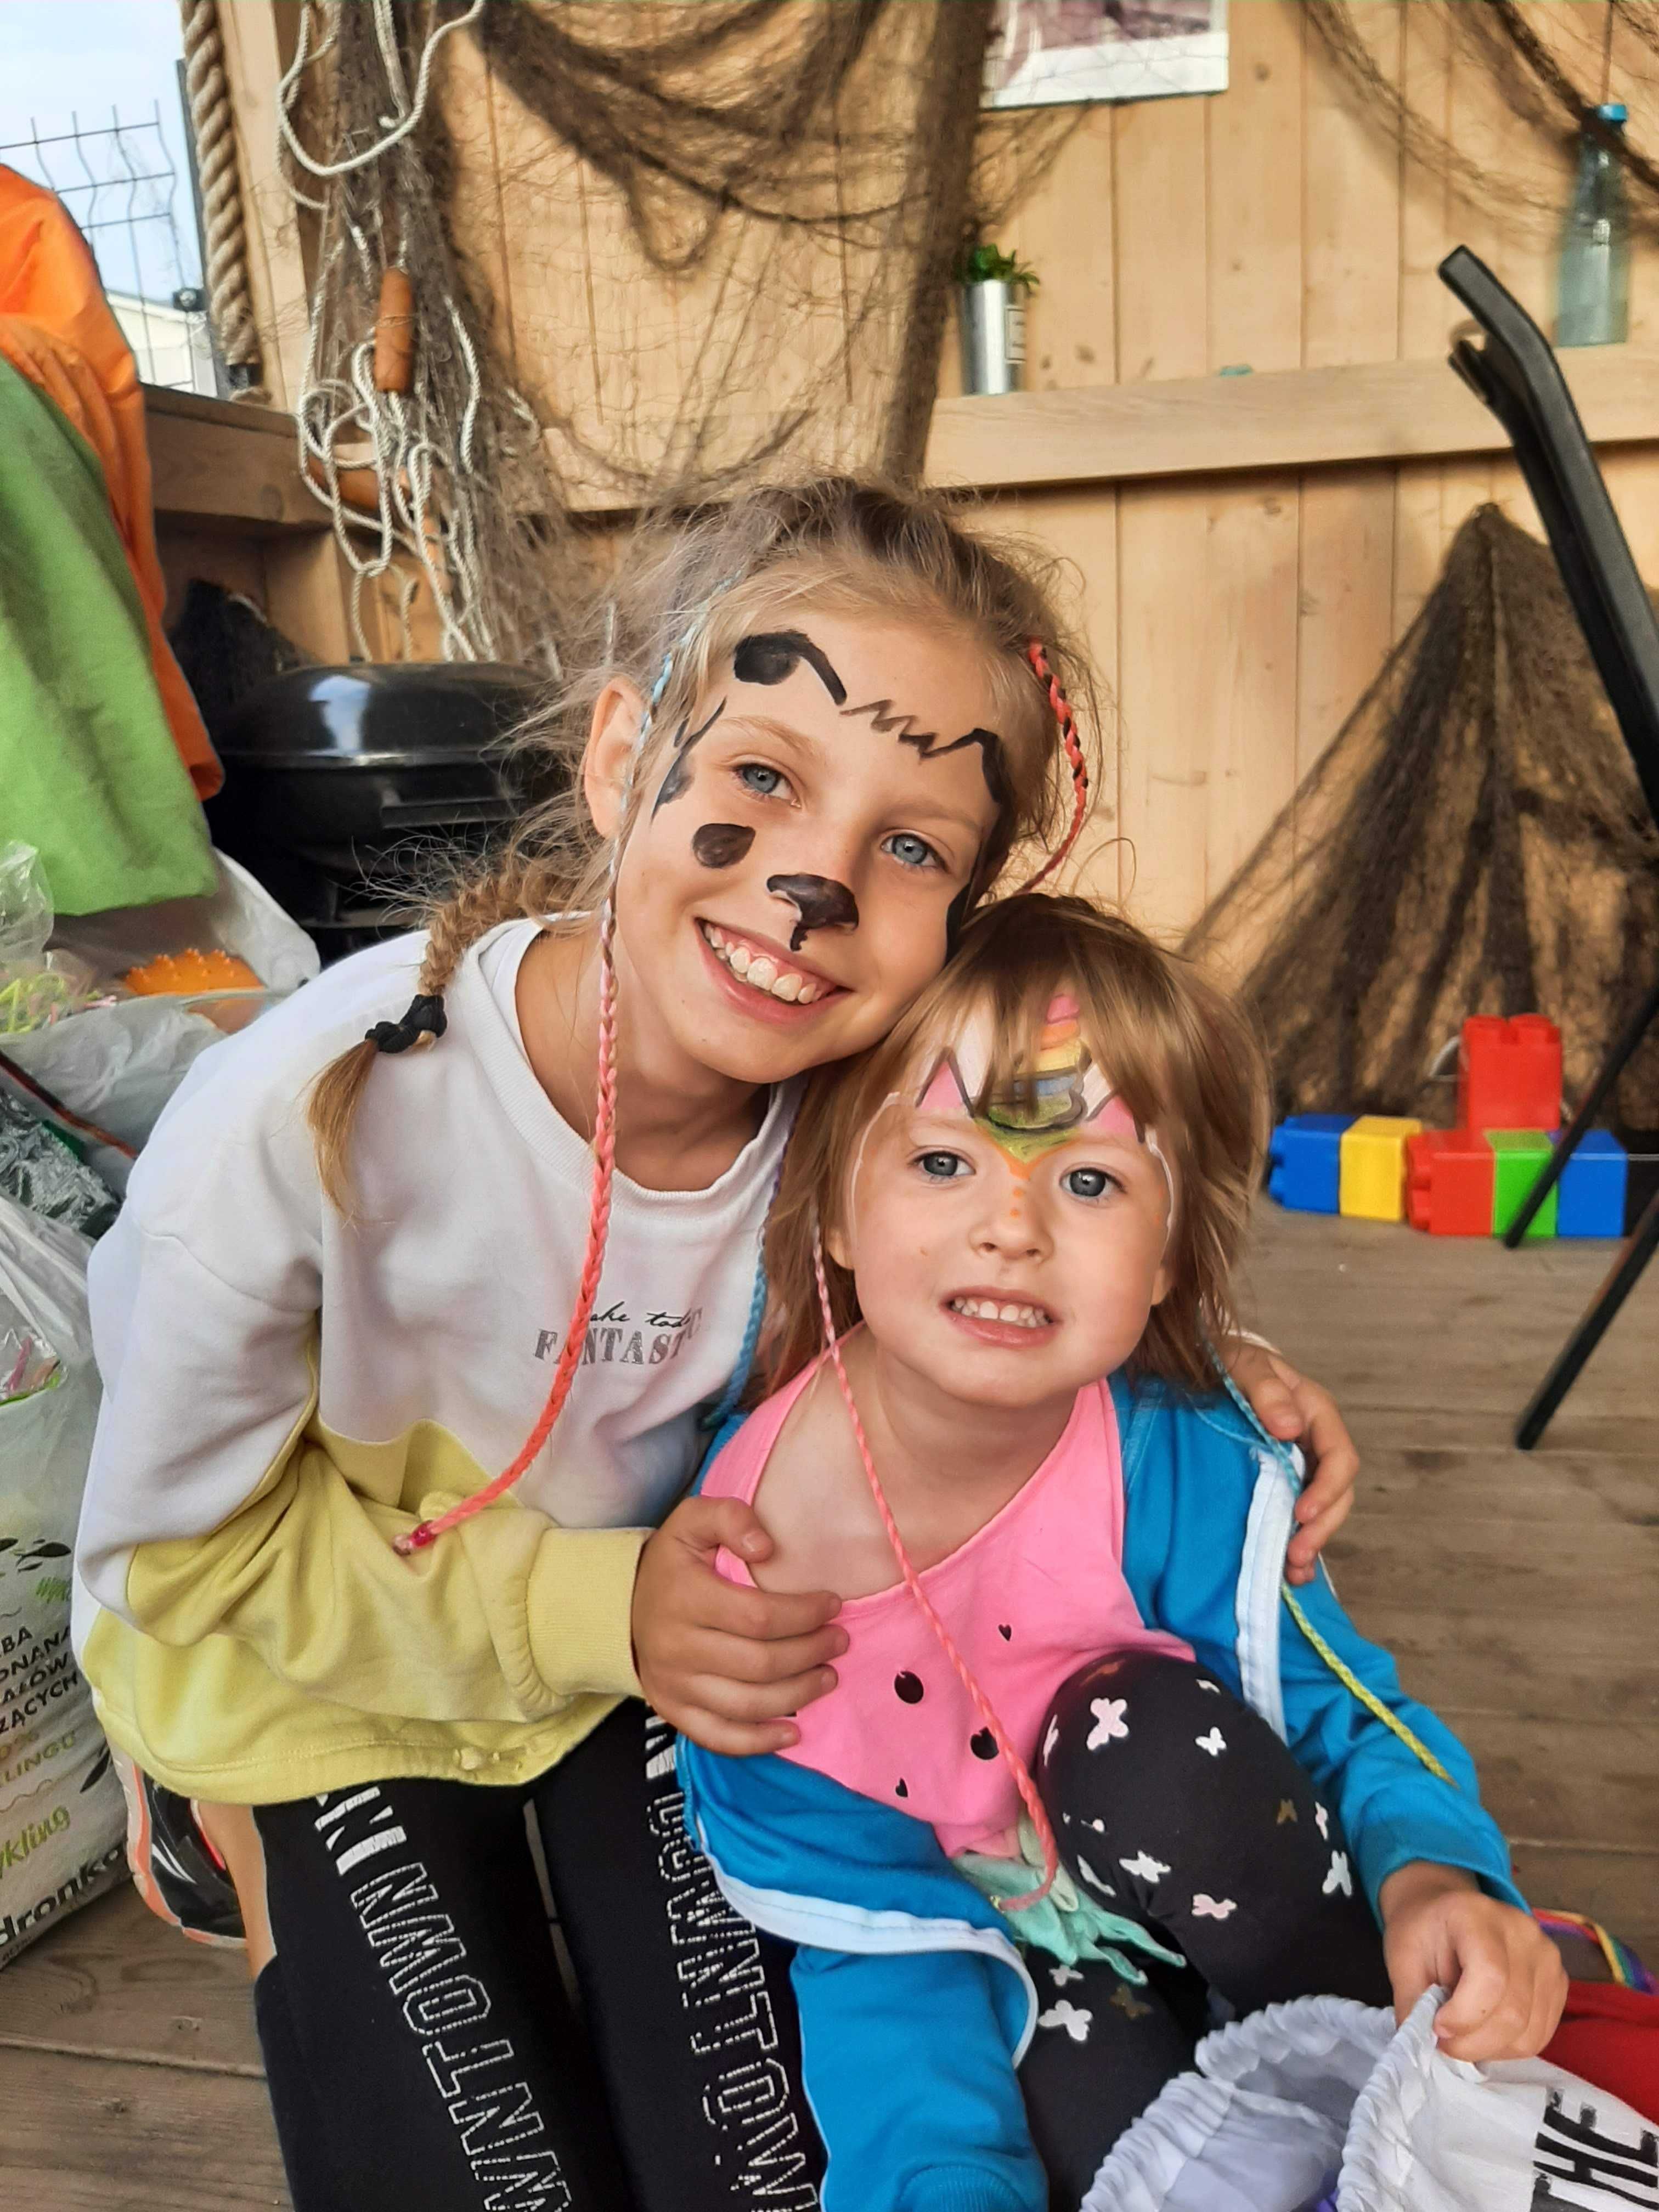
425	1288
1090	1769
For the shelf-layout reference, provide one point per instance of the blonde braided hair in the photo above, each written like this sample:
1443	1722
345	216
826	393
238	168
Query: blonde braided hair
517	885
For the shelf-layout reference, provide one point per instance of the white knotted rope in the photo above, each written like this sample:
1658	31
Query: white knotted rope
408	441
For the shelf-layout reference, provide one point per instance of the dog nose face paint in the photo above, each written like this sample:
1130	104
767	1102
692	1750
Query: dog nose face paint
820	903
722	844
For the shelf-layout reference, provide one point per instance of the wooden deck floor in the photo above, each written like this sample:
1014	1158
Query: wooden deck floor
1521	1592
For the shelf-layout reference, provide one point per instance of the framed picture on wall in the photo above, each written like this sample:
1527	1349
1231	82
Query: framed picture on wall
1043	53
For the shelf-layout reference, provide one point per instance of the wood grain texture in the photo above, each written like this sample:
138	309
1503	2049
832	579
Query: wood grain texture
114	1978
1351	205
1253	160
215	463
1207	426
90	2135
257	36
1066	228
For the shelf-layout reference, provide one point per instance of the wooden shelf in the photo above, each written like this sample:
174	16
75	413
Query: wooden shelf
219	464
1305	418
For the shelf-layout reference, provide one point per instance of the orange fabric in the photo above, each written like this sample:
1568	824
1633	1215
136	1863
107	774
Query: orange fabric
56	329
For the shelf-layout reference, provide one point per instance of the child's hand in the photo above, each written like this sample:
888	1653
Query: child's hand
1507	1983
1290	1407
722	1662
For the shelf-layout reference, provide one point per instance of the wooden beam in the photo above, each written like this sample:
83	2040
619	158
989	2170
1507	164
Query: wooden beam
1379	412
216	459
221	464
259	44
1303	418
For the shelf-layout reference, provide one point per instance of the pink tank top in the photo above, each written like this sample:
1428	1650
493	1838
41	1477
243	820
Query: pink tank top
1033	1595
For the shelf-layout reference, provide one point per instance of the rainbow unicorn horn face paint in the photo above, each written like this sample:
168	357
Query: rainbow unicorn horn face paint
1061	1097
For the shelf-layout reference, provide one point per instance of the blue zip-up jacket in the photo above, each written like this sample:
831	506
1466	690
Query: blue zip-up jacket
915	2005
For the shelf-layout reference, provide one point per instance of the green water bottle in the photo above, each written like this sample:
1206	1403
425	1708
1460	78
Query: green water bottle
1593	283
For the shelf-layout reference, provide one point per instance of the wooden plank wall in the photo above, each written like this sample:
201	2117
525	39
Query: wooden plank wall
1274	227
1234	618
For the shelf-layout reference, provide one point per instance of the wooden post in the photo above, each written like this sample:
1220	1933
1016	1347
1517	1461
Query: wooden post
259	39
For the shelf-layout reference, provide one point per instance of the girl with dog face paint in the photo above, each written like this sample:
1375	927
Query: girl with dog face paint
787	887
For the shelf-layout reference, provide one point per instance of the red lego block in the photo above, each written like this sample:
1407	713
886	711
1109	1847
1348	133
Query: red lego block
1448	1182
1508	1073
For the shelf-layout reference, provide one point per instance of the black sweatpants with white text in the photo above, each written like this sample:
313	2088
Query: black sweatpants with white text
420	2053
419	2047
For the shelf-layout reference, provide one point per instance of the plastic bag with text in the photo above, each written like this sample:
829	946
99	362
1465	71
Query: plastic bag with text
61	1819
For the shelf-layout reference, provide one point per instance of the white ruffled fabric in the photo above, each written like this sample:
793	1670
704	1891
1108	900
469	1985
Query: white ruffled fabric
1259	2125
1323	2093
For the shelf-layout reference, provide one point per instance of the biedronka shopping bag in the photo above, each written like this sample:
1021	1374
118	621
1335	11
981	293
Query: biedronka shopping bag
61	1819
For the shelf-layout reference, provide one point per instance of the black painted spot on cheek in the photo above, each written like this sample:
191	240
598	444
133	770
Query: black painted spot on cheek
722	844
773	657
819	901
1005	1632
678	776
908	1686
984	1745
899	1789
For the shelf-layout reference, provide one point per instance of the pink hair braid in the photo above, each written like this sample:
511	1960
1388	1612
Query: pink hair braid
981	1704
1067	722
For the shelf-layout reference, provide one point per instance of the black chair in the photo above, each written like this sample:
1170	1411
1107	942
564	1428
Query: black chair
1516	375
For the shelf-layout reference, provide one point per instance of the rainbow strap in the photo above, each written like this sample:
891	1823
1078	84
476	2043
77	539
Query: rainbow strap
1623	1964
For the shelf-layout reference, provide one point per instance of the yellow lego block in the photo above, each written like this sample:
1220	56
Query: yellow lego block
1372	1186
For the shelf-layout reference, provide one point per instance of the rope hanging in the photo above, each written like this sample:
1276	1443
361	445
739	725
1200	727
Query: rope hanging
213	125
813	167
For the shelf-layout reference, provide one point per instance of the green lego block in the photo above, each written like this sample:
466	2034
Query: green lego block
1519	1157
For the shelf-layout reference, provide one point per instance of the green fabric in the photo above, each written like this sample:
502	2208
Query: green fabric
89	773
1067	1923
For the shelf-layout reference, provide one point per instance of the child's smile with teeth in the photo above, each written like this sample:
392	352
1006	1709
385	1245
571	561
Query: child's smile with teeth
972	1307
764	969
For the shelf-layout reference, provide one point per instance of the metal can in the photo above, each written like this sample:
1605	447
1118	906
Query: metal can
992	318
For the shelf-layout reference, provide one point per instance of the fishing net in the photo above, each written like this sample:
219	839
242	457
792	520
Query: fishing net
789	182
1553	68
1473	841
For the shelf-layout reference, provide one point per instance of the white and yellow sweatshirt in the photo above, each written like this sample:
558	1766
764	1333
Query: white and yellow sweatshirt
285	1392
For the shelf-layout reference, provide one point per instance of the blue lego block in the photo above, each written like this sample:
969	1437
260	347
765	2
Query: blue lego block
1592	1188
1305	1161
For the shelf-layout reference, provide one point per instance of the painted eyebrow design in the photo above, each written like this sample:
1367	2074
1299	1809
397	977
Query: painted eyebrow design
884	716
773	656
